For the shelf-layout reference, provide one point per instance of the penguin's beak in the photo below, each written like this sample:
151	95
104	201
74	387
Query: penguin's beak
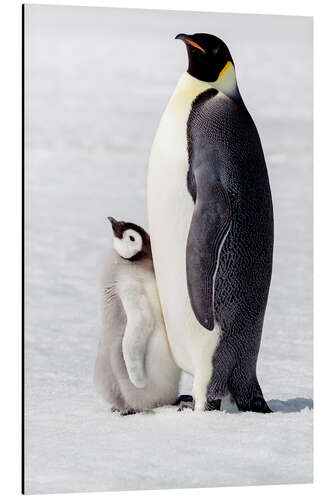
116	227
188	41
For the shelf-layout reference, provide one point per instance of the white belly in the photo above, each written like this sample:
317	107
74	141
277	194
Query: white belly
170	209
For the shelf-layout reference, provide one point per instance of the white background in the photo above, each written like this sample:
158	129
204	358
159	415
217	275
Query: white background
10	212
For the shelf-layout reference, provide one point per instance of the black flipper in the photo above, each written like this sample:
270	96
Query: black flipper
209	226
247	393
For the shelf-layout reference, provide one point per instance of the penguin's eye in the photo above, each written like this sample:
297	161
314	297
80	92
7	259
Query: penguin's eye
132	238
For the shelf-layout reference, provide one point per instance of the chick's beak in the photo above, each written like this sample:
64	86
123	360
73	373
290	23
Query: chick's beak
116	227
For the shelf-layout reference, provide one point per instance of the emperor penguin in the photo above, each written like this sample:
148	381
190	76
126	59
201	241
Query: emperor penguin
211	228
134	370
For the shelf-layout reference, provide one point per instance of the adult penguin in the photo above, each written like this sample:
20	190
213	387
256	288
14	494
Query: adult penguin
211	226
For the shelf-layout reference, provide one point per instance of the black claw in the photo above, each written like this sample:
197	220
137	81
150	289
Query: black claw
127	412
183	397
214	404
186	404
257	405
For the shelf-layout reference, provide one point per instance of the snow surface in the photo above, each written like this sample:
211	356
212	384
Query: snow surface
97	81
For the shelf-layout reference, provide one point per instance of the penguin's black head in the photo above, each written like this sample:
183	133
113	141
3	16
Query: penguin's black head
209	60
131	242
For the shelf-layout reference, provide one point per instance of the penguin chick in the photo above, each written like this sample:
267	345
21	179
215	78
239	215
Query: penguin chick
134	369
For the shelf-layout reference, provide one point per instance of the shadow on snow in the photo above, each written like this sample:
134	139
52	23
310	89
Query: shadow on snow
291	405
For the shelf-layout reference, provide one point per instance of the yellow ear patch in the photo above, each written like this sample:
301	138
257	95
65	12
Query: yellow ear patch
226	67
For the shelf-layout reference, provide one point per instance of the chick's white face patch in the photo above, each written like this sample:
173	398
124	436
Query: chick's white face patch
129	245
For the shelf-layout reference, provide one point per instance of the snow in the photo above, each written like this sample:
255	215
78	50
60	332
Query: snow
97	81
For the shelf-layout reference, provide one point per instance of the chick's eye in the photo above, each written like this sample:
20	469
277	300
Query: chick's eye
132	238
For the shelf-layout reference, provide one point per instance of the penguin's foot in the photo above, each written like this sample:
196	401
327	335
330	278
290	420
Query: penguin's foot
183	397
255	403
214	404
128	412
248	396
259	405
114	409
186	404
123	413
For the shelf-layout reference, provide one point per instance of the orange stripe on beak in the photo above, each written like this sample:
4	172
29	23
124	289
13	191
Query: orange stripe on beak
187	40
